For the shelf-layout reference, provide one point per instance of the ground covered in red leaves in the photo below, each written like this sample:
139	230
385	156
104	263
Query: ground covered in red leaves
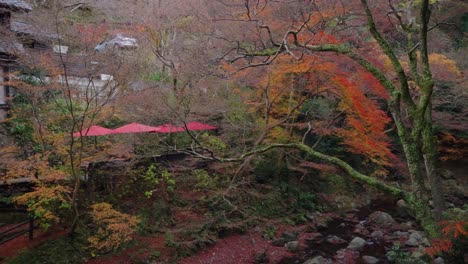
13	247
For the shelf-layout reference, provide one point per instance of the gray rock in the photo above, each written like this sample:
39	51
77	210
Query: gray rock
317	260
412	242
438	260
377	235
400	233
414	239
310	217
285	238
261	257
370	260
321	225
289	236
357	244
335	240
403	208
292	246
381	218
426	242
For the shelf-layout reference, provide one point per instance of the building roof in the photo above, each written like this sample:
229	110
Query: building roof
27	28
17	5
10	47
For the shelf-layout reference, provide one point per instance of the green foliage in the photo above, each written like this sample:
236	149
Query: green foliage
60	251
204	180
170	240
397	255
155	176
157	77
270	232
22	131
213	143
47	204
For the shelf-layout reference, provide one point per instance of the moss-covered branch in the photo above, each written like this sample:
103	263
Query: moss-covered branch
388	50
333	160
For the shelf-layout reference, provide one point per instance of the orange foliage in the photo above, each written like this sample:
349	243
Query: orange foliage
113	228
364	133
451	230
92	34
451	147
438	246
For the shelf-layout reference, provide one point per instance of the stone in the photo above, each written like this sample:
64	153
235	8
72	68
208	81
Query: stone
289	236
412	242
400	233
360	230
381	218
285	238
292	246
321	225
317	260
261	257
403	208
370	260
415	238
426	242
310	216
377	235
357	244
346	255
335	240
438	260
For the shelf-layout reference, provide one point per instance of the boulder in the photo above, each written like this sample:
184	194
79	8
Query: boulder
381	218
292	246
335	240
402	208
261	257
377	235
357	244
285	238
317	260
414	239
438	260
370	260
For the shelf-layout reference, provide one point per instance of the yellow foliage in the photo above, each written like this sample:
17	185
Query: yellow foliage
113	228
44	202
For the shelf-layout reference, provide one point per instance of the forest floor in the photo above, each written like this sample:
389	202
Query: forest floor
266	224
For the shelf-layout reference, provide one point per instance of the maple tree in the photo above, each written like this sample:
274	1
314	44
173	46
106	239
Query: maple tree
273	31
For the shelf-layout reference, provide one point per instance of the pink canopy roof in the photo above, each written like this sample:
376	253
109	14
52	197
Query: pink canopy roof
135	128
196	126
94	131
168	128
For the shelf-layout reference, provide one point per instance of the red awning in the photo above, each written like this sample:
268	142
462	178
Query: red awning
94	131
197	126
168	128
135	128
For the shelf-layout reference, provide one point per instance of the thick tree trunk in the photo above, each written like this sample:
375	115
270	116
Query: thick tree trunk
430	162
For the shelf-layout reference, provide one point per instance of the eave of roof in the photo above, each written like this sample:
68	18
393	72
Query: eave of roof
16	5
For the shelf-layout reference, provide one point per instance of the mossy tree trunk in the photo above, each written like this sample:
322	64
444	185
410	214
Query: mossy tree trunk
415	133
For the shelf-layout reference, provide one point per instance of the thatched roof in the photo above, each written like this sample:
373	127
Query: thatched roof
17	5
32	30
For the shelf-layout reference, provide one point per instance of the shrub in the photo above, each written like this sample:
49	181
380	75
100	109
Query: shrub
113	228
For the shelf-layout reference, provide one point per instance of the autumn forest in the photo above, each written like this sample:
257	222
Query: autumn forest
233	131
